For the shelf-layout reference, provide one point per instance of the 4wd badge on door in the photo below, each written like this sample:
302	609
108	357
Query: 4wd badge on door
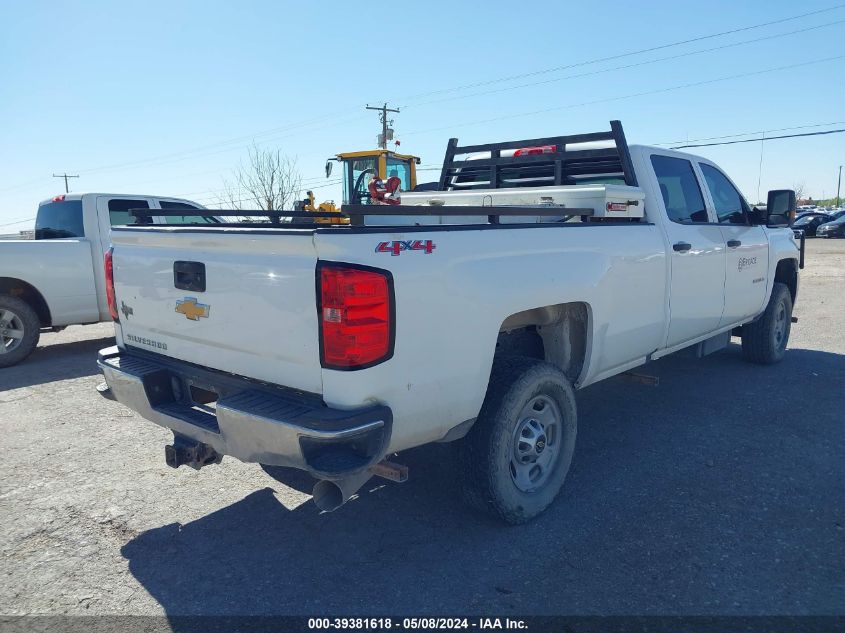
191	309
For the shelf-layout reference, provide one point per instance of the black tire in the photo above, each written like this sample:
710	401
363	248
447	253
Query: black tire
489	454
17	315
764	341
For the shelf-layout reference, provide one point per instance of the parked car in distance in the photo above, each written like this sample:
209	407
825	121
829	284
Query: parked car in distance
57	279
835	228
810	222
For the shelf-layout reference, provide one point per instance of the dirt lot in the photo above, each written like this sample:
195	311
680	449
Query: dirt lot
720	492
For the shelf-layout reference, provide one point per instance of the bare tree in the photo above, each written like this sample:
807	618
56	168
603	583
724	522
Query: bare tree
270	181
799	188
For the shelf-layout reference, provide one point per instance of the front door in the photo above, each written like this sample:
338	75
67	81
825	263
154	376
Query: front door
697	252
747	259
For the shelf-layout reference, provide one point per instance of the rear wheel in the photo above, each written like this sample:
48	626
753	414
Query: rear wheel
515	458
764	341
20	330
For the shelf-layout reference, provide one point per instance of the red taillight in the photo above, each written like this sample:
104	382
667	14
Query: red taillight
356	316
530	151
109	267
60	198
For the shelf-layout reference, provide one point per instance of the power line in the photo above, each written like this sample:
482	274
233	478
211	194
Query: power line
24	185
629	66
165	158
303	181
241	190
18	222
766	138
782	129
622	55
176	156
185	154
629	96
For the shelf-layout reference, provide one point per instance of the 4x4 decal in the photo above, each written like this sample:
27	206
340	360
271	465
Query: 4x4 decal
397	246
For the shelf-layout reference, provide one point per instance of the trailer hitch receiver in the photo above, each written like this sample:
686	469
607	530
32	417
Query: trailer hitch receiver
188	452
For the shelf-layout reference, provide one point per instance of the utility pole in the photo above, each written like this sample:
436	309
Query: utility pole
760	169
383	110
65	176
838	185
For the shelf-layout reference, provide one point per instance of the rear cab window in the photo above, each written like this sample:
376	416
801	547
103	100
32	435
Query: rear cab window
59	219
680	190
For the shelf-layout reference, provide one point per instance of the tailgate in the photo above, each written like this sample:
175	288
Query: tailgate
255	317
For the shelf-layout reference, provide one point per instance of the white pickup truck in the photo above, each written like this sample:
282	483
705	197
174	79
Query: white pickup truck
57	279
328	348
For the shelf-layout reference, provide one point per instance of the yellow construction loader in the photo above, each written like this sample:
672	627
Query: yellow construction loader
358	168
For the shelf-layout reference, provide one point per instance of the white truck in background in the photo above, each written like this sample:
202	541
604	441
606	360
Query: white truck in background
448	317
57	279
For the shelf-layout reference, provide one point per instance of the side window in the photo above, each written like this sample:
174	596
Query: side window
731	208
119	210
172	205
57	220
680	190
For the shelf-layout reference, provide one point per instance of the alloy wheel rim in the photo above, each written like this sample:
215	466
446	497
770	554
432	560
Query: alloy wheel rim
11	331
537	441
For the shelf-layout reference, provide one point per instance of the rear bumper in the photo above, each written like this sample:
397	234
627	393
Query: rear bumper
250	421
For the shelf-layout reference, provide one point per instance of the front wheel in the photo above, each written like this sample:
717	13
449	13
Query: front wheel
515	458
764	341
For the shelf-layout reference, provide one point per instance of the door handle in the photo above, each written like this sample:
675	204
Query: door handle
681	247
734	243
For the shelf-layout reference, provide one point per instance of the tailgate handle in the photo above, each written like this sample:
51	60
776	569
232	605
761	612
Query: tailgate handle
189	276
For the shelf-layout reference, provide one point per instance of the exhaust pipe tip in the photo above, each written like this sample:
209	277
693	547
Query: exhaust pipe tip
330	494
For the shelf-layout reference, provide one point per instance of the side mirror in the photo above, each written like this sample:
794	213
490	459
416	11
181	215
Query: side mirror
780	207
329	165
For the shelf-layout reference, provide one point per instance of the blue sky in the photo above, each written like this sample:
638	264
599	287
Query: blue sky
164	97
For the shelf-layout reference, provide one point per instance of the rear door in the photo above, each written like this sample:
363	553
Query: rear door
697	252
747	252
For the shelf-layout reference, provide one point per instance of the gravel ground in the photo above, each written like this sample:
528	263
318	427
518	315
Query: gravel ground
722	491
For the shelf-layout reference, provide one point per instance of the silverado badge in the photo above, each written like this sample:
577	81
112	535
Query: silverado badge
191	309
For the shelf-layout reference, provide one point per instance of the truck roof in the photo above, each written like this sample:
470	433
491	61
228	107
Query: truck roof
80	195
664	150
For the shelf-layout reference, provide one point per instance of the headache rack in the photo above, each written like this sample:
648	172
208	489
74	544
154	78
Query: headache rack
538	162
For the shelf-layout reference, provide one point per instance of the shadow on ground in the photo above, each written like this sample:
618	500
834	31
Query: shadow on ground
719	492
59	361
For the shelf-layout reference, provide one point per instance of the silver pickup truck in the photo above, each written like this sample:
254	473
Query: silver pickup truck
57	279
